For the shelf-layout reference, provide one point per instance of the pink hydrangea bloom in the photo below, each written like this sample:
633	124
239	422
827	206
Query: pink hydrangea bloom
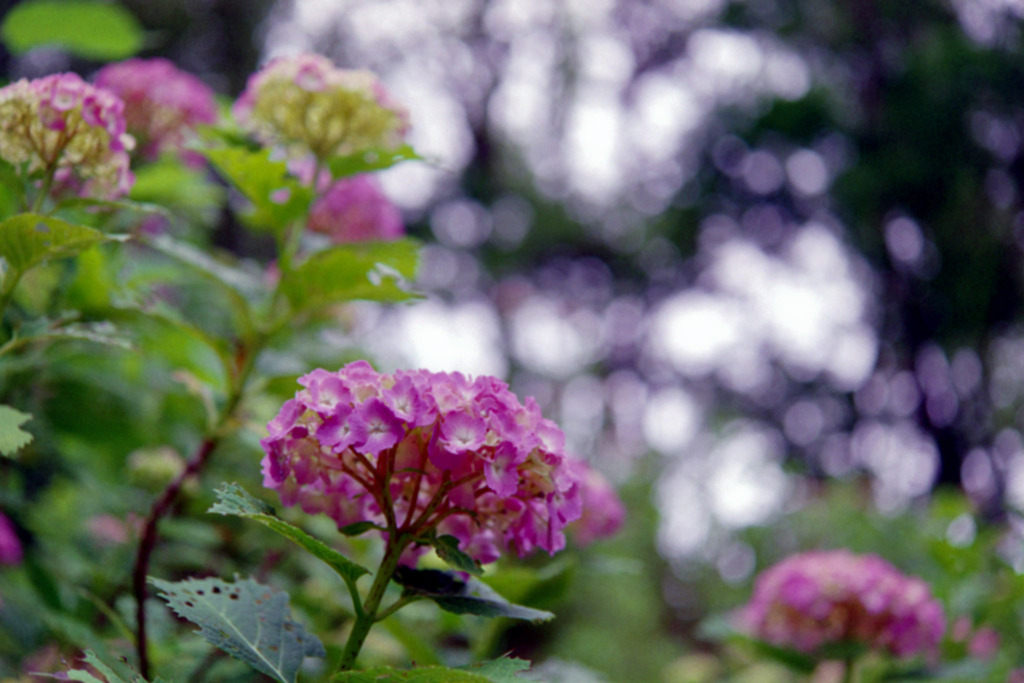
61	123
307	105
415	451
10	546
818	598
355	210
603	511
163	104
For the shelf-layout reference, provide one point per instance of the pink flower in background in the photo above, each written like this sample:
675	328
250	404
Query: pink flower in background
162	104
415	451
818	598
307	105
62	124
355	210
603	511
10	546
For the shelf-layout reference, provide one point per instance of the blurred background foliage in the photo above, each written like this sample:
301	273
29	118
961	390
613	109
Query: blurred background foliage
761	260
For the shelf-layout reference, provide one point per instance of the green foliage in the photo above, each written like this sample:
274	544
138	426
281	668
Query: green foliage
89	29
277	198
370	271
112	673
232	499
29	239
502	670
371	160
454	594
447	548
12	437
247	620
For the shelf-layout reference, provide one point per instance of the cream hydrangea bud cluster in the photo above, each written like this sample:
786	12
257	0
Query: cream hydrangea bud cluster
63	126
306	105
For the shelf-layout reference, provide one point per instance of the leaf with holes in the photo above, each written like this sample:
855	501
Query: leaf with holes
249	621
28	239
454	594
12	437
232	499
113	673
370	271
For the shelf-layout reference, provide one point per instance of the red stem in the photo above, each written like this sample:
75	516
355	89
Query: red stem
147	543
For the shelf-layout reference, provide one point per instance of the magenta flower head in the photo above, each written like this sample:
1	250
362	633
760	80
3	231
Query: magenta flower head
62	125
418	452
162	104
355	210
819	598
10	546
308	106
603	511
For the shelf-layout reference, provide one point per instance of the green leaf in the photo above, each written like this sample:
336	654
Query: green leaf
168	182
12	437
277	198
447	548
454	594
116	673
94	30
357	528
247	620
371	160
427	674
28	239
501	670
98	332
496	671
367	270
232	499
238	282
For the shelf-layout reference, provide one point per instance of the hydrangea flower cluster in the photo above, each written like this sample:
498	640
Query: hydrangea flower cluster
10	546
603	511
61	124
818	598
163	104
355	210
308	106
416	451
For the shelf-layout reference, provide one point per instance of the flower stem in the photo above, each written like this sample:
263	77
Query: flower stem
245	360
367	616
849	671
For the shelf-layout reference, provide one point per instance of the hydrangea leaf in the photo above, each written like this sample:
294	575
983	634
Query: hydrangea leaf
277	198
502	670
371	160
12	437
232	499
447	548
103	31
454	594
357	528
367	270
247	620
240	284
427	674
28	239
117	673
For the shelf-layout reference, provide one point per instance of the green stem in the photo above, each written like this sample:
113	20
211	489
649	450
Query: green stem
849	671
37	204
11	279
367	616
